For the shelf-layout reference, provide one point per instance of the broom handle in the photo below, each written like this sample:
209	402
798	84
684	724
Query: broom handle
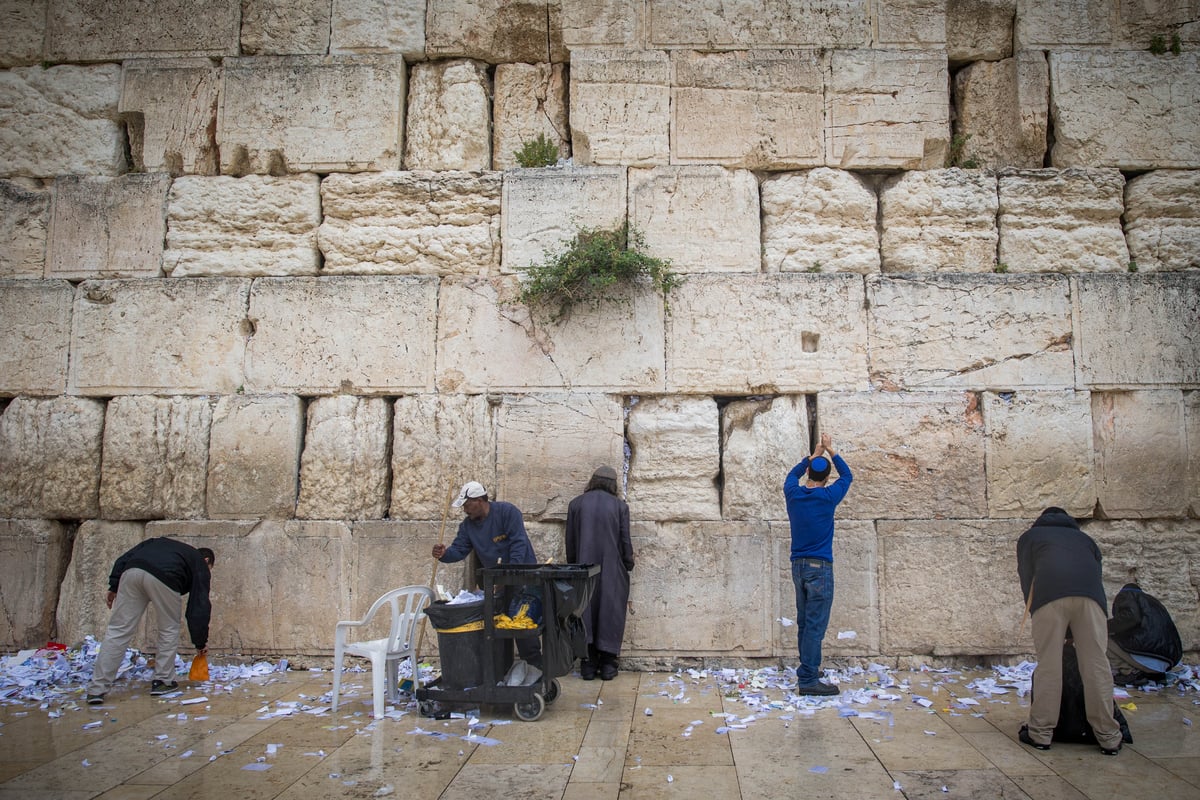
433	577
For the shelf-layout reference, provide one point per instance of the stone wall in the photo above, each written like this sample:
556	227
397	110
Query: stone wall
259	261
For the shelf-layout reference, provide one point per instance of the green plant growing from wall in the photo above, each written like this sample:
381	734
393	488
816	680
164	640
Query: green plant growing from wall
1133	266
1158	45
539	152
956	153
1176	45
1001	268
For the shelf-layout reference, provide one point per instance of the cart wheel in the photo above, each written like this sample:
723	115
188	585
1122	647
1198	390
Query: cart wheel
427	708
532	710
552	691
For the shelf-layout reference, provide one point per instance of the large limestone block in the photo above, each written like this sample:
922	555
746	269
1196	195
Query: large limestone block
344	466
530	101
1191	420
155	457
289	114
33	558
1138	330
914	455
887	109
495	31
717	25
347	333
254	456
822	220
699	589
776	96
1046	24
22	32
61	121
81	609
35	336
488	340
107	227
701	218
970	565
169	107
911	23
1003	111
607	23
243	227
970	332
939	220
676	458
449	117
979	30
285	27
545	208
1139	22
1141	453
762	334
24	218
761	440
1132	110
170	336
548	445
50	458
379	26
109	30
1039	453
620	107
426	223
1055	220
1162	220
388	554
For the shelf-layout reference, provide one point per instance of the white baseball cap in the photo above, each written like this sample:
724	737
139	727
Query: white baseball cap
470	489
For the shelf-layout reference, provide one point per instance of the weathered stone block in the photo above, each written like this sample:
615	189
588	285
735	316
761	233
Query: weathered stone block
1138	22
344	466
35	336
620	107
1191	423
107	227
1003	111
676	457
761	440
254	456
993	332
762	334
60	121
169	107
979	30
208	235
1162	220
939	220
899	444
280	115
702	219
109	30
377	567
285	27
33	558
322	335
50	458
449	117
530	100
81	608
155	457
1131	110
22	32
607	23
1046	24
429	223
1039	453
24	218
776	96
887	109
379	26
822	220
1141	453
495	31
1155	317
168	336
1062	221
713	25
911	22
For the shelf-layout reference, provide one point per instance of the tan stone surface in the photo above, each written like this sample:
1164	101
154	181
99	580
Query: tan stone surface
449	116
979	30
1047	24
379	26
33	557
714	25
700	218
429	223
1138	22
107	227
911	22
970	332
164	335
24	218
675	459
388	554
155	457
109	30
1162	220
901	445
495	31
344	465
761	440
939	220
529	100
1055	220
35	336
60	121
620	107
254	456
22	32
170	109
285	27
610	23
50	458
1003	111
81	610
761	334
1191	422
1141	453
341	334
822	220
286	114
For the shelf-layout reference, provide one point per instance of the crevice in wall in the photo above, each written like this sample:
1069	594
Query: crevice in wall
388	475
810	410
1047	157
71	531
320	216
627	405
305	406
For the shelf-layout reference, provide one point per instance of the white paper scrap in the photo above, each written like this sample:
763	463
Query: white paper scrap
257	767
785	622
192	701
847	634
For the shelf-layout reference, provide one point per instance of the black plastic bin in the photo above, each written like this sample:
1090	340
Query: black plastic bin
462	652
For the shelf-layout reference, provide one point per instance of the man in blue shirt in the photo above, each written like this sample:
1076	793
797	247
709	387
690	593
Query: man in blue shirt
810	508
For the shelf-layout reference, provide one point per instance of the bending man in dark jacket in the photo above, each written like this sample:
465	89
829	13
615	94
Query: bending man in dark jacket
155	572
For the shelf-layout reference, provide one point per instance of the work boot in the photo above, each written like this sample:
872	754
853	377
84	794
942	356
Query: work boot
587	669
608	666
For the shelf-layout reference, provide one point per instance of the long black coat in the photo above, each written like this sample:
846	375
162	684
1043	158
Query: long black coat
598	533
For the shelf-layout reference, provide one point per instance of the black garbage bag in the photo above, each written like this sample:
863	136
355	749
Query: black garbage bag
1073	725
572	594
446	616
566	640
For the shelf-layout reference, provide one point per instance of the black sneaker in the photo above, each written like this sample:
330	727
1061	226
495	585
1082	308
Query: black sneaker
159	688
817	689
587	669
1023	735
1106	751
608	671
95	699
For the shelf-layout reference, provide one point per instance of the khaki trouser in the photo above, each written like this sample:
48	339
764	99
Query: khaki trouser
1088	625
137	590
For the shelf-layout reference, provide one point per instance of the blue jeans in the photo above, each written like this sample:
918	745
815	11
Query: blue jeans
813	579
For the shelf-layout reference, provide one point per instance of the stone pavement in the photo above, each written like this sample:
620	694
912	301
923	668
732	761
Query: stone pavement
643	735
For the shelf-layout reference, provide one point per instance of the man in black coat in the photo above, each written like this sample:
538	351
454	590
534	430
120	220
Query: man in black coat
1143	642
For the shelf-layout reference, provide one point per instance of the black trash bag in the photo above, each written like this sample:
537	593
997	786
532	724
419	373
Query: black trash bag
558	649
445	616
572	595
1073	725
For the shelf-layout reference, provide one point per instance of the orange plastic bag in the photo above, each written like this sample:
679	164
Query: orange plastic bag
199	671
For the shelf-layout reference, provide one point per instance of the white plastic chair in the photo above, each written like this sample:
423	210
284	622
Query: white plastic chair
407	605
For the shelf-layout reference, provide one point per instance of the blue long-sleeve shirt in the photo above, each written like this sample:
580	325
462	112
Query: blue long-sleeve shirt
810	510
498	538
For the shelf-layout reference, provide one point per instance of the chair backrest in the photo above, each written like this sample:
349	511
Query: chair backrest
408	607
